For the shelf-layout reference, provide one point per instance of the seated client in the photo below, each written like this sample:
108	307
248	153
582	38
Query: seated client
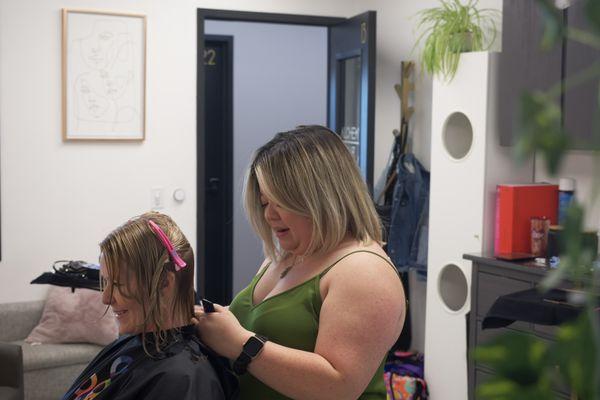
147	271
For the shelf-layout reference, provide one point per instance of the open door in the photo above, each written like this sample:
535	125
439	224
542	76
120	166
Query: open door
352	87
218	165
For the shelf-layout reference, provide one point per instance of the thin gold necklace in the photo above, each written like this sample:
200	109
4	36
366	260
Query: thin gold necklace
287	269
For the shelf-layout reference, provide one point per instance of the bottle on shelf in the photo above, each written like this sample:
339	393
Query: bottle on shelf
566	195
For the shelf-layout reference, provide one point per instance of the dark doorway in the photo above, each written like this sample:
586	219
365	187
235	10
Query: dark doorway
218	219
350	105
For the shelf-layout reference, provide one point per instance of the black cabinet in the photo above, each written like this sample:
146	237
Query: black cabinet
490	279
581	116
524	66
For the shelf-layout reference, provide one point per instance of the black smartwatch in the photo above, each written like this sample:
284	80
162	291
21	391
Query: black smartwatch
251	349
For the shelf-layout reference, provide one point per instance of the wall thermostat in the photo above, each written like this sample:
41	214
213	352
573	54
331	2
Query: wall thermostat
179	194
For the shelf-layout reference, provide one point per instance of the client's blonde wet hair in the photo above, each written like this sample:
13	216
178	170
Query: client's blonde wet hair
135	248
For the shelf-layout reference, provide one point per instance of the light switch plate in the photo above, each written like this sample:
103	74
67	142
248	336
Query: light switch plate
157	198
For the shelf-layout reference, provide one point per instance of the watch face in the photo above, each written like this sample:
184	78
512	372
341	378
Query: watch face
253	346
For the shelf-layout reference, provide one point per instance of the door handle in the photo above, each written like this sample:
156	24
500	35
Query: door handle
213	185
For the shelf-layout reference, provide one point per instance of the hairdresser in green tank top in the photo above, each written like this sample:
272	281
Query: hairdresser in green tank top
318	318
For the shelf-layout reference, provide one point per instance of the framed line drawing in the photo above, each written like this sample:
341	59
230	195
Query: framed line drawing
103	75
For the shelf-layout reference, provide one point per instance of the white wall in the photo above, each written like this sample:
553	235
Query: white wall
396	36
58	200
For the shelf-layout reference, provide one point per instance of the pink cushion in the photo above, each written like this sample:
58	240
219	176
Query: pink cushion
77	317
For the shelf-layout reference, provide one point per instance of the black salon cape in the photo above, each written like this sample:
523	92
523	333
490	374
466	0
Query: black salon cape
185	370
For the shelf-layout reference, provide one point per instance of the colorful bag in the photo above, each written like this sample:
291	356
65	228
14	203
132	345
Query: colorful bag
404	378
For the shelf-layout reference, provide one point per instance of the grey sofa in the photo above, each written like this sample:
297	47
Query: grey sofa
39	371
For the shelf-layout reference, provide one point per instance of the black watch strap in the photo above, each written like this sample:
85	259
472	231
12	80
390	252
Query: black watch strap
251	349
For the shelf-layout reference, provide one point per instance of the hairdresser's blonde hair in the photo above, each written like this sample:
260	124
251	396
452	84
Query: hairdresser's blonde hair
310	172
134	247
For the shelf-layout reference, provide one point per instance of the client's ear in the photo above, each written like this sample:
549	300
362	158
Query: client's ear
168	284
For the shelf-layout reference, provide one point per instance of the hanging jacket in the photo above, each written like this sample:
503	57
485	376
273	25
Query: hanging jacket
409	221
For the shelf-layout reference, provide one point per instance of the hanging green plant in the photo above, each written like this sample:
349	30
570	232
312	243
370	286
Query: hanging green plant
451	29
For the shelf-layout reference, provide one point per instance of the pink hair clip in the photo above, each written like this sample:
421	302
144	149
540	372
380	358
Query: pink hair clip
179	263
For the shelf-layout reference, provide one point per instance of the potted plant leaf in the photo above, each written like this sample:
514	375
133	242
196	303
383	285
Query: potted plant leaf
450	29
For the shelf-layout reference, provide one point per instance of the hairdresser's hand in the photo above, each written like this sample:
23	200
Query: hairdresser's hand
221	331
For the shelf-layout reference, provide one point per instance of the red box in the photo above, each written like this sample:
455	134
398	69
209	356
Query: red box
515	205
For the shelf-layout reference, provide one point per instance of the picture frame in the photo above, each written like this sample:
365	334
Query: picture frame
103	75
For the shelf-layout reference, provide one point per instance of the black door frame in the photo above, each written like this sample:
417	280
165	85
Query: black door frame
223	276
370	31
245	16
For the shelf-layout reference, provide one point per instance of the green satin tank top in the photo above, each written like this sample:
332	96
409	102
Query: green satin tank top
291	319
